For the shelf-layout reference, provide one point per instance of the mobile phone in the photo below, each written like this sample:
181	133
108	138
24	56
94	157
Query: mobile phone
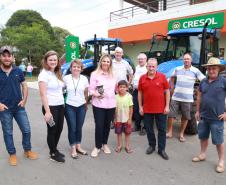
51	122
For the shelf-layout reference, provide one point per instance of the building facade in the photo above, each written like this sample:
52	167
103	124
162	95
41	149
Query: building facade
137	24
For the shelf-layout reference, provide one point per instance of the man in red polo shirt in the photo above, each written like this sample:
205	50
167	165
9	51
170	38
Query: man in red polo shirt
153	98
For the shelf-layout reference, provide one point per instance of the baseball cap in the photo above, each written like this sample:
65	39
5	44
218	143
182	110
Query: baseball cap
6	49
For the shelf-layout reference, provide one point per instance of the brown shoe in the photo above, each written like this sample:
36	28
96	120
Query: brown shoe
30	155
13	160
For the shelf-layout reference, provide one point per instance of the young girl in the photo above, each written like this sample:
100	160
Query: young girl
50	87
123	116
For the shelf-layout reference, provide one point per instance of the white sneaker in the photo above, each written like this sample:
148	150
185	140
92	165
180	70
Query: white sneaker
95	152
106	149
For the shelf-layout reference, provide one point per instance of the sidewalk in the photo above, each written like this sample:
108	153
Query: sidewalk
114	169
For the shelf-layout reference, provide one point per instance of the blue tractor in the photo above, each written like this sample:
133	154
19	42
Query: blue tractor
97	47
169	50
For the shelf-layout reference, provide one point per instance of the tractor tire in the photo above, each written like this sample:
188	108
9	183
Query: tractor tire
192	127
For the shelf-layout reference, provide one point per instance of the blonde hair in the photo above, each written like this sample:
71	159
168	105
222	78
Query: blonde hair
78	62
45	66
99	67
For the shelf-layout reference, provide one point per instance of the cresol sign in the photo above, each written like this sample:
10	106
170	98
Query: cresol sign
214	21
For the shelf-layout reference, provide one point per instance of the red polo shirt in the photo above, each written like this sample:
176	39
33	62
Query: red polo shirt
153	91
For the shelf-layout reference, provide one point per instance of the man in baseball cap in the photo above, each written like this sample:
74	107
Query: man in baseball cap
210	111
13	97
8	49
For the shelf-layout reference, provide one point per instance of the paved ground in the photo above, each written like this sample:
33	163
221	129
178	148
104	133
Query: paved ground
114	169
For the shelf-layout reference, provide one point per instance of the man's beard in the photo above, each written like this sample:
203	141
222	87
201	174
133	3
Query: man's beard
7	66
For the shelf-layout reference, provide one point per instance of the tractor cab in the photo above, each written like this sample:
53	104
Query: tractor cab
169	50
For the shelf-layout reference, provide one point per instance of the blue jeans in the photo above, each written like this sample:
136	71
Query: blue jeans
75	117
20	115
216	127
160	120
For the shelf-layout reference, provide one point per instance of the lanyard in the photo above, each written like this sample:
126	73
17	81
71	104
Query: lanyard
75	87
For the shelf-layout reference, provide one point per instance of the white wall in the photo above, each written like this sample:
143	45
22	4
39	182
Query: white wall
132	50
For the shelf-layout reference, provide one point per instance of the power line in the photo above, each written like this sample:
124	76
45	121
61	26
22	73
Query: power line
95	6
89	23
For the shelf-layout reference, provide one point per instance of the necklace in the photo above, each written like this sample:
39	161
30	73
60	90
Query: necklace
75	87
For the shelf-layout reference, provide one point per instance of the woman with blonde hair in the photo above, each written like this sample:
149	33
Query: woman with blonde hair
102	88
50	88
76	106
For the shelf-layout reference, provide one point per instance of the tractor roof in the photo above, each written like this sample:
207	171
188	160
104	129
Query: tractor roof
190	31
103	41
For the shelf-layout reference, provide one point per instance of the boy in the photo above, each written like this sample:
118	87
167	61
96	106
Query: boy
123	116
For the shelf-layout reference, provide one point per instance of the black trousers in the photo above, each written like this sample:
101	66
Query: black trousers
160	119
136	113
54	132
103	118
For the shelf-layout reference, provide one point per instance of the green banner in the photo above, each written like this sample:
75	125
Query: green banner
71	48
214	21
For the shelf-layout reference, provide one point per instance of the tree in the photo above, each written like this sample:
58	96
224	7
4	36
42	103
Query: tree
32	36
61	34
28	18
31	42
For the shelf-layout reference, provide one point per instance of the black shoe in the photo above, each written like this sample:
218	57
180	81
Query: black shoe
163	154
56	157
60	154
135	129
150	150
142	132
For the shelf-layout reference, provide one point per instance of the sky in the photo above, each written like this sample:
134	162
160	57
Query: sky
82	18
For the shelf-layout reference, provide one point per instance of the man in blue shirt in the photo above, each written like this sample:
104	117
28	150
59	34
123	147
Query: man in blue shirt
12	102
210	111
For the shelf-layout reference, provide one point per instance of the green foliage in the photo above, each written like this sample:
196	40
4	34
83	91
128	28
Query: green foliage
32	36
61	34
28	18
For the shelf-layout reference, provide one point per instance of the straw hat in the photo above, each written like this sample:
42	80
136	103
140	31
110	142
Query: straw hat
213	61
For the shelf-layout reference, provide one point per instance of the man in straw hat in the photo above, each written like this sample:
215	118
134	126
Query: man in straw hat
210	111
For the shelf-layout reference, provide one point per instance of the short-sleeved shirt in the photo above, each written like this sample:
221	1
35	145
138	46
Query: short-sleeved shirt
153	91
75	89
213	98
54	87
29	68
22	67
109	83
10	87
123	104
140	70
121	70
186	78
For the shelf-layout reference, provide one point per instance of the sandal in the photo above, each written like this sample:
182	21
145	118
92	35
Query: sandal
220	168
82	152
182	139
118	149
198	159
168	136
74	155
128	150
